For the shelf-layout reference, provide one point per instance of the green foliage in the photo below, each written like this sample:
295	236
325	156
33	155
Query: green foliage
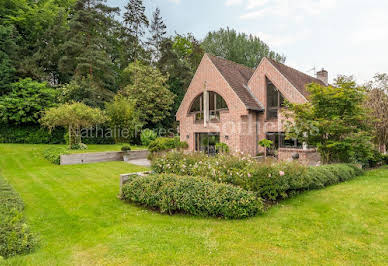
126	148
148	90
265	143
222	147
30	134
147	136
26	101
8	49
241	48
123	117
85	90
15	235
270	181
53	154
164	144
191	195
74	117
334	120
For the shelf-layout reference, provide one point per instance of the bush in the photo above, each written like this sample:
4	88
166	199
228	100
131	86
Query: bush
222	147
147	136
385	158
271	181
30	134
15	236
125	148
164	144
197	196
53	154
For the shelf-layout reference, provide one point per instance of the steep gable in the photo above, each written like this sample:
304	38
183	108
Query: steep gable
238	76
297	78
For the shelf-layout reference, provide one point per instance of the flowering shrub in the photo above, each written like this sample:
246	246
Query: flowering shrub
192	195
272	181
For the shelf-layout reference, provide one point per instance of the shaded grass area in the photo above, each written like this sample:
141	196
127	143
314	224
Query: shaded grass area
79	220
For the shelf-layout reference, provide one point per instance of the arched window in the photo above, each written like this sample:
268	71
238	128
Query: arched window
216	103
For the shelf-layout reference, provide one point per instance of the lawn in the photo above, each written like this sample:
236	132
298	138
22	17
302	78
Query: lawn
79	220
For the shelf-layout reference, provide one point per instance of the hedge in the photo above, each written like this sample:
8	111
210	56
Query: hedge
34	134
191	195
53	154
272	181
15	236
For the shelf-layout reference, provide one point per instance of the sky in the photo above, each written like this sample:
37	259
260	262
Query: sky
348	37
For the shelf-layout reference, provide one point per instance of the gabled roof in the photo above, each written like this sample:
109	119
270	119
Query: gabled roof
298	79
238	76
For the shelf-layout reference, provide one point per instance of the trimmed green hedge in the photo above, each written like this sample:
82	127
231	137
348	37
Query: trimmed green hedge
30	134
164	144
15	236
191	195
272	181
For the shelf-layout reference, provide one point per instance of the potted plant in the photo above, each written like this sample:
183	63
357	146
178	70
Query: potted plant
126	150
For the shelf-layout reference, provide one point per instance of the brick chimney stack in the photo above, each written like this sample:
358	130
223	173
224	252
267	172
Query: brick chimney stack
323	75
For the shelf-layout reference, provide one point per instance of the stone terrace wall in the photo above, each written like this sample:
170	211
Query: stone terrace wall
307	157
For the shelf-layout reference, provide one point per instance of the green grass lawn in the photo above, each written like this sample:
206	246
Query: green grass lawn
79	220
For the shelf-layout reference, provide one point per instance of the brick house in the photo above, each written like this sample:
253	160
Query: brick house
234	104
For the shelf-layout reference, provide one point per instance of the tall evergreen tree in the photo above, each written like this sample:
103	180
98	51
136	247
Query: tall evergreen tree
135	23
88	47
158	33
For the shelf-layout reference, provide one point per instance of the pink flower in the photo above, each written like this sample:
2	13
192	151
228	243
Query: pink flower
281	173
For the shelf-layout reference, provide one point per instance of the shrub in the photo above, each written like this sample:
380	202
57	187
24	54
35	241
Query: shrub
222	147
125	148
192	195
385	158
147	136
30	134
15	236
53	154
164	144
272	181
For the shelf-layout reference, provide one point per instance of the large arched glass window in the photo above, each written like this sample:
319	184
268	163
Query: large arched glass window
216	104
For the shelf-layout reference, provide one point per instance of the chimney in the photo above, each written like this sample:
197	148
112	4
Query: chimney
323	75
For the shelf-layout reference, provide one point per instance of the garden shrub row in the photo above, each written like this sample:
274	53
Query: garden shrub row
15	236
169	193
272	181
164	144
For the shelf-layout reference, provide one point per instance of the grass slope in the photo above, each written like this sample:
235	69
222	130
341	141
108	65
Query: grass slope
75	211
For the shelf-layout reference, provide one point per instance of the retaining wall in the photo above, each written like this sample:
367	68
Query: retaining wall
95	157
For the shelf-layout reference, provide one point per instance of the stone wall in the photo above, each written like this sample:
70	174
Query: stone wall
307	157
95	157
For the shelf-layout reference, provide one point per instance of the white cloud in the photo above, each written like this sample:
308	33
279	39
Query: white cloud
175	1
233	2
283	39
286	8
372	29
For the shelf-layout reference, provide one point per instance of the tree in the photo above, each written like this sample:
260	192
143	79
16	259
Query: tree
25	102
158	32
8	49
241	48
86	91
147	88
377	103
135	22
87	49
73	117
180	57
334	120
123	117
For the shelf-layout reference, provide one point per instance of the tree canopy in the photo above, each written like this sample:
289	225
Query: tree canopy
239	47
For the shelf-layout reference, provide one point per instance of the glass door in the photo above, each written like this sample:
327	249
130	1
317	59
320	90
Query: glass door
206	142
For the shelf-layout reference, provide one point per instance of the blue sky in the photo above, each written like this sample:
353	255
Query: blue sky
343	36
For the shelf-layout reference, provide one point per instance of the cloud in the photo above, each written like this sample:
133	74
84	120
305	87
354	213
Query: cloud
372	28
283	39
286	8
175	1
233	2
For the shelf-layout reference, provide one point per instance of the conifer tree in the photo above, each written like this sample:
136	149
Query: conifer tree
158	33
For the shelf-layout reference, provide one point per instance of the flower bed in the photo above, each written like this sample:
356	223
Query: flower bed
272	181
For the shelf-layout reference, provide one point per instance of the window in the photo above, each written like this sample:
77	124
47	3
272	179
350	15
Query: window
216	104
274	100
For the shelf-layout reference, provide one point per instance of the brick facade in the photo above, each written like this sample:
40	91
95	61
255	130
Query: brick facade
239	127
